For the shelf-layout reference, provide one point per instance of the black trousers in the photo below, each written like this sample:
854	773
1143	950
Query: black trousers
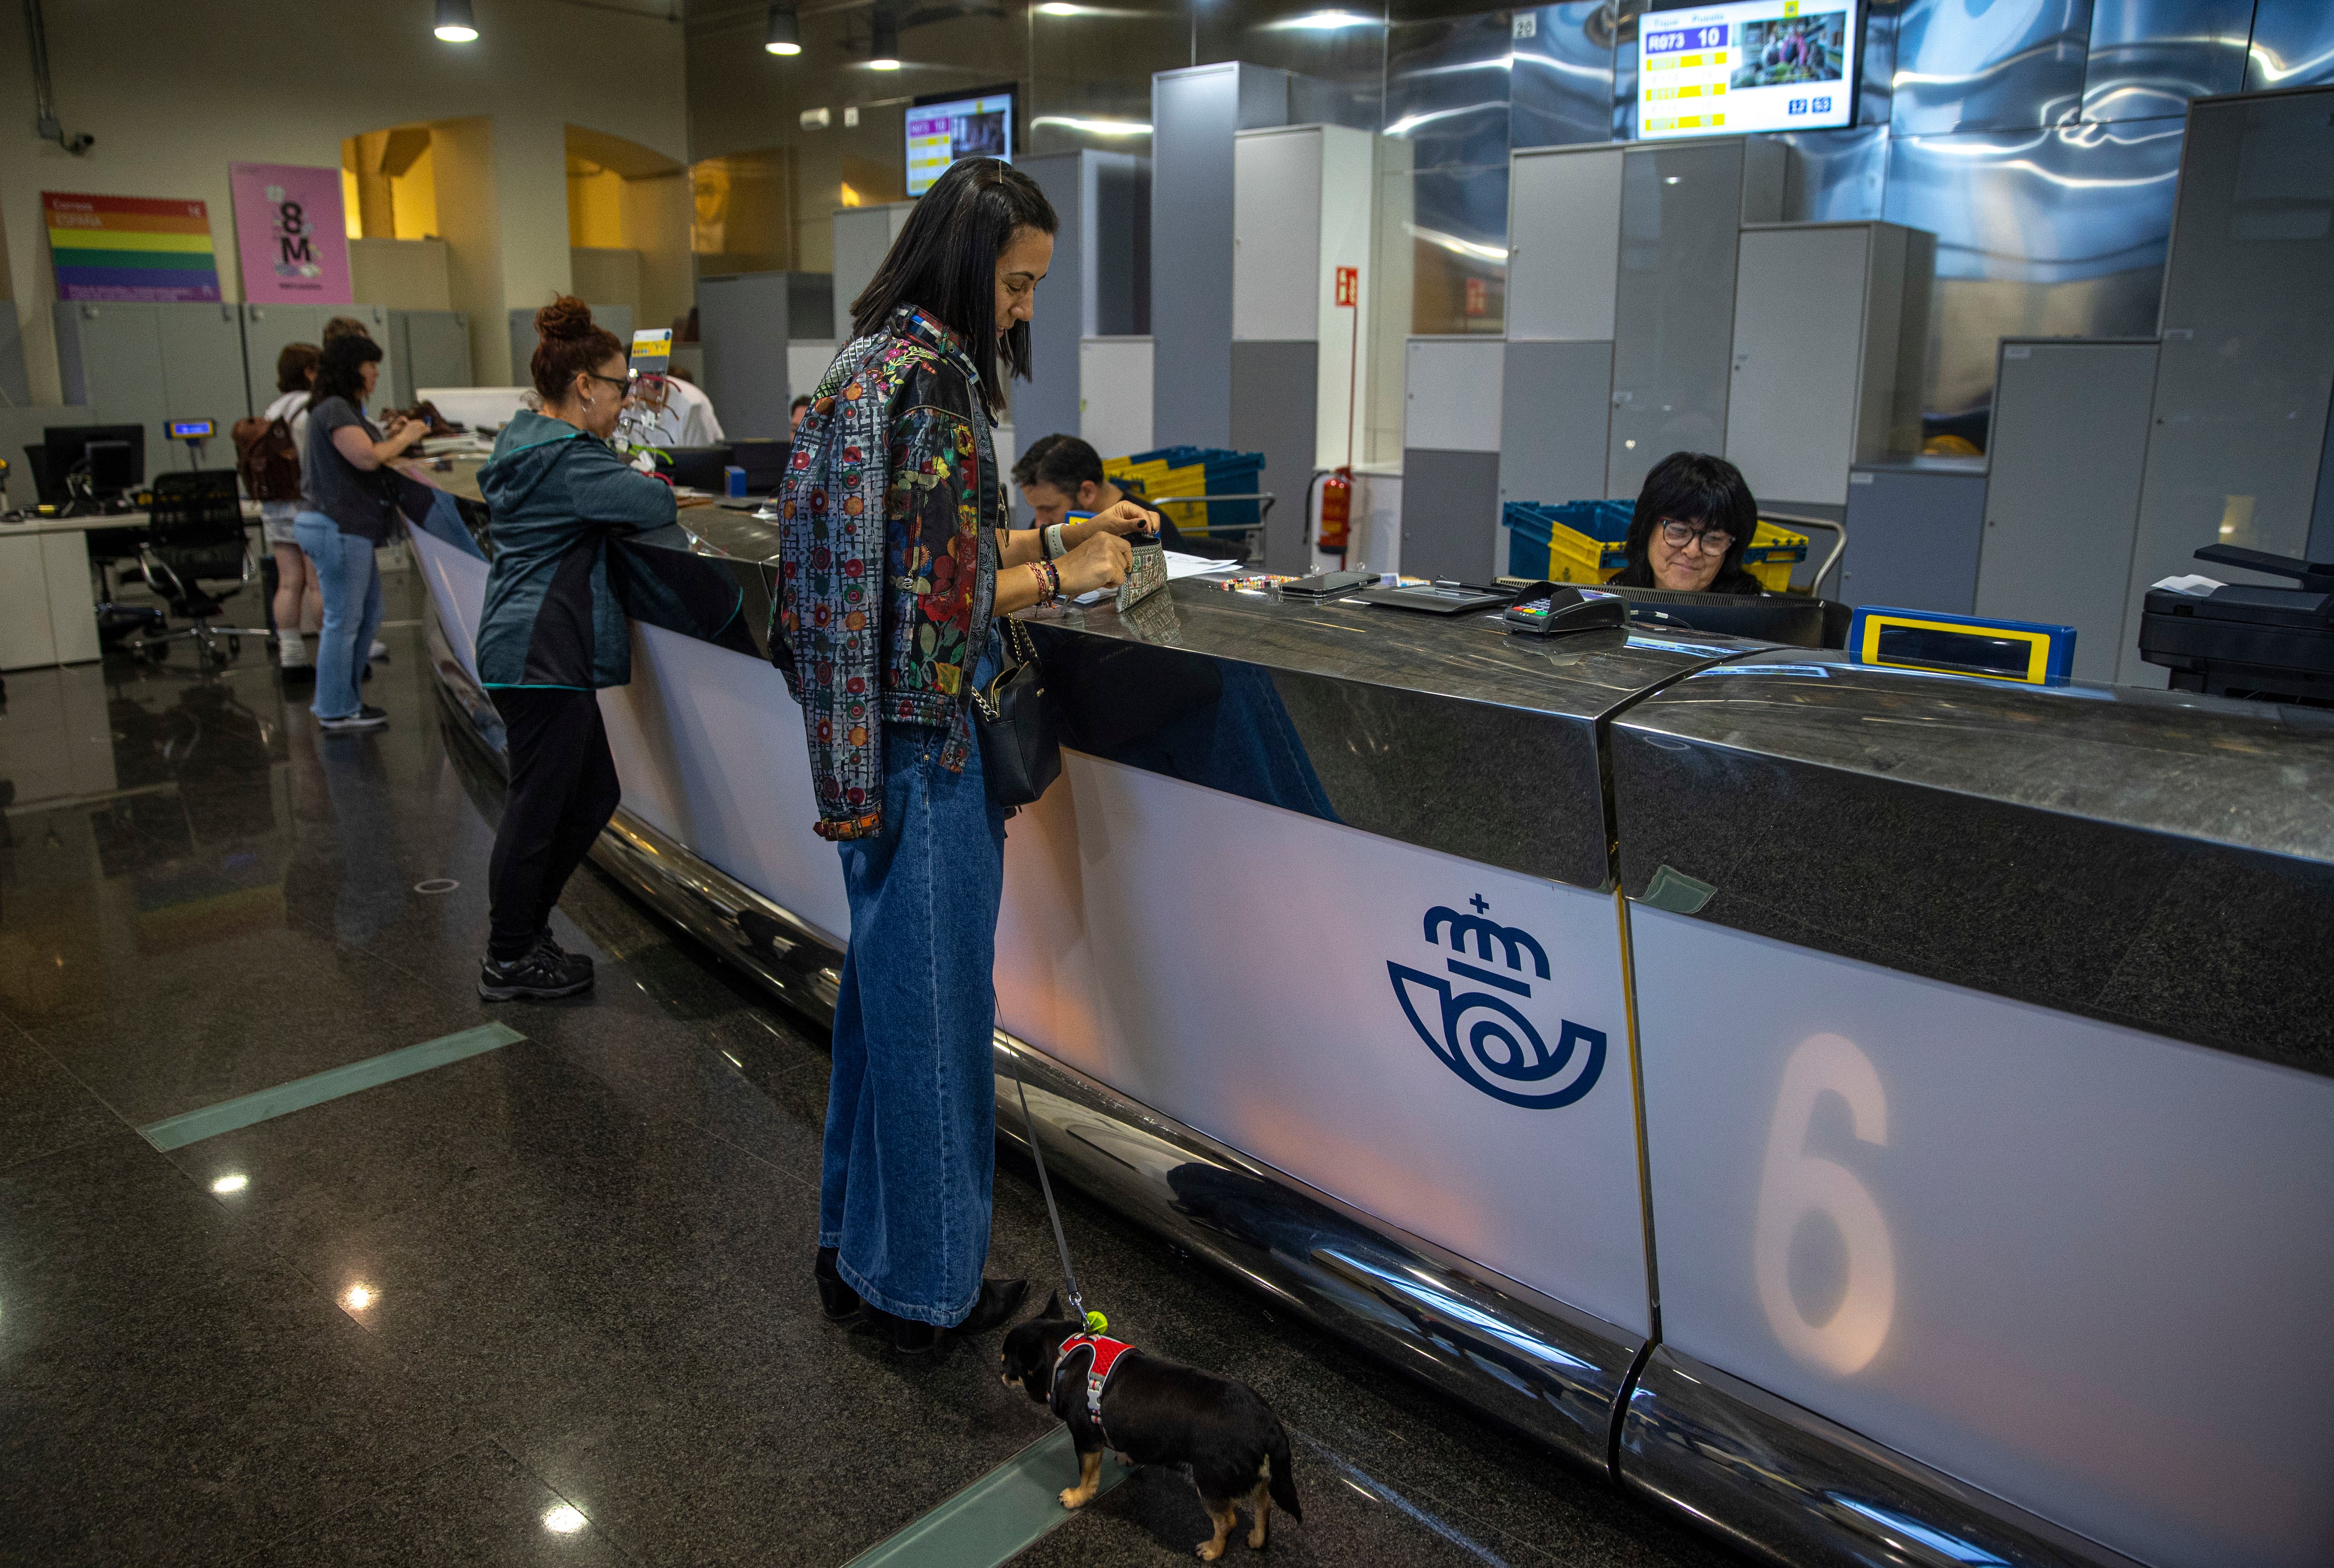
563	791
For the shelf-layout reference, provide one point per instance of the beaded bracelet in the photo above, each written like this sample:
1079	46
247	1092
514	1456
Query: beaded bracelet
1049	581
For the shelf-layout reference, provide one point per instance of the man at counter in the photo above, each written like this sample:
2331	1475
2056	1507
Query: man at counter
1694	519
1061	477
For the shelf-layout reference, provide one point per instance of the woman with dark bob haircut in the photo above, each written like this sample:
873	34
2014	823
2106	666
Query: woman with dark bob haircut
894	564
1694	520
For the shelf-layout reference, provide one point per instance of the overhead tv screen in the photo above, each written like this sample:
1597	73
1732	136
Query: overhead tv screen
942	130
1754	66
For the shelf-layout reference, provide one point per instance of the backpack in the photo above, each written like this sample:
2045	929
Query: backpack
268	460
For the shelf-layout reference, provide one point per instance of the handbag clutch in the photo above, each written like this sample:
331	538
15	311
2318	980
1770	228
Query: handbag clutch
1146	576
1020	752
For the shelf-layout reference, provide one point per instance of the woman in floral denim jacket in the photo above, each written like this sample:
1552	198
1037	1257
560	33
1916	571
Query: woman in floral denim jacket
894	561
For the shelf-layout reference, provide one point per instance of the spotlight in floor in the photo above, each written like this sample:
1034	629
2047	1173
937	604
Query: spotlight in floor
562	1520
234	1183
359	1297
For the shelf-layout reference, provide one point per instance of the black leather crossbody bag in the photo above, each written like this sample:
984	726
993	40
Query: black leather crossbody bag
1020	752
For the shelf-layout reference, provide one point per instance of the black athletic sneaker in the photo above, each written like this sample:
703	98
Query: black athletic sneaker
366	716
541	974
544	942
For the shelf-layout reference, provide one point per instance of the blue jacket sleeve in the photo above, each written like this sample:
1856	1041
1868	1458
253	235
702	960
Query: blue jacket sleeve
605	491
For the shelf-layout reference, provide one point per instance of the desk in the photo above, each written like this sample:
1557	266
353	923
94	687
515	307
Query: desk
46	614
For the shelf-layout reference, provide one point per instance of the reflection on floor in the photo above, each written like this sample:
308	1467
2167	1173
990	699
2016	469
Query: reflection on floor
549	1303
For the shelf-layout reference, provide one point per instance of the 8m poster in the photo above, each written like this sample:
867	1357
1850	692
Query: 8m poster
293	240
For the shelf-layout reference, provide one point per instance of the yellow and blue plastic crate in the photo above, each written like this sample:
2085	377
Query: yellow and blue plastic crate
1195	471
1582	542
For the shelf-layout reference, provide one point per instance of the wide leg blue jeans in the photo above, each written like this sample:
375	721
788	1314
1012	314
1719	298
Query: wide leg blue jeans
350	579
911	1152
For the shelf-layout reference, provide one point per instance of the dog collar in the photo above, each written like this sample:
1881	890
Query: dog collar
1105	1356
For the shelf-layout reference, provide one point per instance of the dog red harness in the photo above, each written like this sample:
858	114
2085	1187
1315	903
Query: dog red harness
1106	1354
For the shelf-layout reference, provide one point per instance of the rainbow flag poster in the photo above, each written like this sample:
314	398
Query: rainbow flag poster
131	248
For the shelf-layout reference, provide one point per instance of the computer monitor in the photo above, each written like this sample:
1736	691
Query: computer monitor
942	127
1748	66
113	457
1796	620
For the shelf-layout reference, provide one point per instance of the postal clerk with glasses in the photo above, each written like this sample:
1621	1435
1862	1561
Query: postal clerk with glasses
1694	518
552	634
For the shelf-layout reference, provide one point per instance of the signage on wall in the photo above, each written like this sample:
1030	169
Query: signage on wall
1747	66
1488	1039
130	248
290	229
1349	286
944	128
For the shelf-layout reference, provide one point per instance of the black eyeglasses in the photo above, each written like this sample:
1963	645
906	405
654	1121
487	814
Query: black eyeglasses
623	388
1679	535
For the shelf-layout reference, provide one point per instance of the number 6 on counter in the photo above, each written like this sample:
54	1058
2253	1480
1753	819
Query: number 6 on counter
1793	1184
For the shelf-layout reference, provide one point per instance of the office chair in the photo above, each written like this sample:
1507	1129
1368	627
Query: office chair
195	537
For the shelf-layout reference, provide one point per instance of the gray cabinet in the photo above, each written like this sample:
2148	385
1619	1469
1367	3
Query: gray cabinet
1555	415
2063	503
1913	534
744	322
432	349
1824	334
152	362
267	328
2244	373
1672	305
1564	242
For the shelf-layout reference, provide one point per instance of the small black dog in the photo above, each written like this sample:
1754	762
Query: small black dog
1155	1411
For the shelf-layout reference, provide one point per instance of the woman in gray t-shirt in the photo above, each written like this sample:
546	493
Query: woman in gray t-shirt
343	519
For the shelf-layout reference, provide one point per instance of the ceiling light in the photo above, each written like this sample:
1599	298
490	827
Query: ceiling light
1322	21
1092	127
786	33
456	24
885	49
1057	8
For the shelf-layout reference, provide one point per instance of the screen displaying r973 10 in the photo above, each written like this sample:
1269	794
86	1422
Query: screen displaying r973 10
1749	66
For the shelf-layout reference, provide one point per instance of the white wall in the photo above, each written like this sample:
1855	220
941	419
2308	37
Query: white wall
176	92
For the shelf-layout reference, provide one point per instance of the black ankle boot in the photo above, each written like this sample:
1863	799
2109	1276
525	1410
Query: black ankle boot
999	1299
911	1338
836	1299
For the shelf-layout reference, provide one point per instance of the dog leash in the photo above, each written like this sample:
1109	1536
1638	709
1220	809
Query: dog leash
1094	1321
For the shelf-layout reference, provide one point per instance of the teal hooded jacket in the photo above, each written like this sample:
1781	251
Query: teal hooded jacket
555	611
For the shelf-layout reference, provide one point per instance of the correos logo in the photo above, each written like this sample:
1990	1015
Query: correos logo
1483	1037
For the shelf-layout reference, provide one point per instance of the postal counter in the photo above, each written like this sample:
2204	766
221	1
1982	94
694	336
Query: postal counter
1882	1115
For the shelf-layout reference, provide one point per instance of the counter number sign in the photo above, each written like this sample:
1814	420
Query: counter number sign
1349	286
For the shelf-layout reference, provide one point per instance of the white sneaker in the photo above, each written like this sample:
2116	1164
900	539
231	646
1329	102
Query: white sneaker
380	651
292	651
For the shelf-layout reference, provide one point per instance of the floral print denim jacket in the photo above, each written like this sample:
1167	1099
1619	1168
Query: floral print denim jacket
878	622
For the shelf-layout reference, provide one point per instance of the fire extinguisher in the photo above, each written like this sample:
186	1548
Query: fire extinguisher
1336	510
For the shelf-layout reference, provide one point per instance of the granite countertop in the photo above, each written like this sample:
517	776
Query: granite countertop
2252	775
1585	675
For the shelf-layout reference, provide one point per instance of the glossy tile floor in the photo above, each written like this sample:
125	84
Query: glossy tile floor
547	1304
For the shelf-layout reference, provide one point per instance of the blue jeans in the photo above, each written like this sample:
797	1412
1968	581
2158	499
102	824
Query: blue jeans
911	1108
350	584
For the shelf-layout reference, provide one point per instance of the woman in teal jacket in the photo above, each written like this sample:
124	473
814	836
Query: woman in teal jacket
552	634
